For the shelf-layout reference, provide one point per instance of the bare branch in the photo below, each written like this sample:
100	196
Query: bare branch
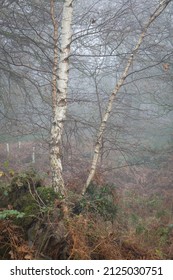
161	7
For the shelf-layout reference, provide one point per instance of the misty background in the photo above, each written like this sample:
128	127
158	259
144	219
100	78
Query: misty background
140	130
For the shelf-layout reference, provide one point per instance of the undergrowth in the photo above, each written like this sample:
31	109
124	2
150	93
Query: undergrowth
98	200
13	244
147	219
105	223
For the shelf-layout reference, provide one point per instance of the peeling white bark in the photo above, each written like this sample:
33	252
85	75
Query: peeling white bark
163	4
61	102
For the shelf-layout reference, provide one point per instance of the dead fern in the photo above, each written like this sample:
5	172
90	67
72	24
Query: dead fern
12	243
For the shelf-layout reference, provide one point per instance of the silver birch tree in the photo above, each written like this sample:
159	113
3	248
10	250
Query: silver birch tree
60	101
161	7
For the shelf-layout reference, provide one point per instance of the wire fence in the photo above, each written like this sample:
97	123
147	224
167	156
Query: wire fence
21	155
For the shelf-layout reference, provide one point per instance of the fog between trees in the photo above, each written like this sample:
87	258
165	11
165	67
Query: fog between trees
104	34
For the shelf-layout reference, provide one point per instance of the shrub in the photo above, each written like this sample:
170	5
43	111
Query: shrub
98	200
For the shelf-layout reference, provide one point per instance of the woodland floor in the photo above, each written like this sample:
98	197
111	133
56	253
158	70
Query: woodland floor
141	229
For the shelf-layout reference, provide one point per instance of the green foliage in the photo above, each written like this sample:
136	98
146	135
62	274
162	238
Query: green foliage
8	214
134	218
162	213
4	189
140	228
26	179
4	192
6	164
163	233
138	223
99	200
35	204
47	195
30	199
154	202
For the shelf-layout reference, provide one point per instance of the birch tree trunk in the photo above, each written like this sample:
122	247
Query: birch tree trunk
60	84
163	4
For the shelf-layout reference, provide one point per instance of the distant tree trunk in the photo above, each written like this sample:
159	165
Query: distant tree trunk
59	94
163	4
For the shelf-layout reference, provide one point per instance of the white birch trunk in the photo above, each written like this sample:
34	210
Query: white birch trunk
61	102
163	4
